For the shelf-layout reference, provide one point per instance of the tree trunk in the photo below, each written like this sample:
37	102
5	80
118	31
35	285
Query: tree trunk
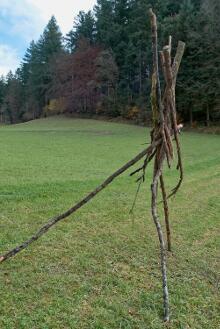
140	74
207	116
191	116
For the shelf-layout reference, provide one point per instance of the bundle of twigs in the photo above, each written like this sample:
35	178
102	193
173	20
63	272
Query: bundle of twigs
161	148
164	129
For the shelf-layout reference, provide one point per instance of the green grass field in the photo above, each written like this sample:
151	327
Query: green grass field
99	269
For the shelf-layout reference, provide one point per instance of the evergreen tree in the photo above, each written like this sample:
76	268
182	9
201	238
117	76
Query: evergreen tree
36	68
2	97
84	27
106	77
51	42
12	106
105	29
209	68
138	53
117	36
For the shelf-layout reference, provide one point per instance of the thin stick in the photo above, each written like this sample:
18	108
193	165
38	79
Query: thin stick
77	206
161	240
136	195
155	63
166	212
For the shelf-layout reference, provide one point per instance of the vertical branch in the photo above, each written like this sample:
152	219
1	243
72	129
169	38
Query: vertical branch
171	74
155	77
159	159
154	187
177	60
166	212
170	44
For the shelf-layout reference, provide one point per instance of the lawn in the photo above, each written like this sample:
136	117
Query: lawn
99	268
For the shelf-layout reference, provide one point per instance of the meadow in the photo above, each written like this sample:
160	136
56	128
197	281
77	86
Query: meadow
99	268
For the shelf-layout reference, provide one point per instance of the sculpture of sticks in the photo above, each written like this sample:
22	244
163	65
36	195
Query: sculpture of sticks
165	128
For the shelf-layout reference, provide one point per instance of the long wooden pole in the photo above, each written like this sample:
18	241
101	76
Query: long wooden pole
78	205
159	128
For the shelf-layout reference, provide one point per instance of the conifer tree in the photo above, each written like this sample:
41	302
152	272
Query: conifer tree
84	27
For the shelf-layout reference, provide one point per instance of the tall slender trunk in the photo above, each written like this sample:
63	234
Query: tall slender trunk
191	116
207	116
140	74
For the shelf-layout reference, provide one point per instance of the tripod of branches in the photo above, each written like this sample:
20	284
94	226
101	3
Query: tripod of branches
161	149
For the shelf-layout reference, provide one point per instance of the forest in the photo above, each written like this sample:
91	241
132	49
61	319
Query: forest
103	65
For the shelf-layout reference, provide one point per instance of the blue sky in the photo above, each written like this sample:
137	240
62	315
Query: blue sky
24	20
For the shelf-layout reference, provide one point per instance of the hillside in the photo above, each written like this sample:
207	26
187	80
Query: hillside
99	268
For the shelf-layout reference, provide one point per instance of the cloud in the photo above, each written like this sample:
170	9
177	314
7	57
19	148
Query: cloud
9	59
19	24
63	10
22	21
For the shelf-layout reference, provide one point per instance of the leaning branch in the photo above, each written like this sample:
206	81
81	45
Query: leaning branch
77	206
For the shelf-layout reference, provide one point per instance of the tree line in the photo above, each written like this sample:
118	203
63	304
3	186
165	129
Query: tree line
103	65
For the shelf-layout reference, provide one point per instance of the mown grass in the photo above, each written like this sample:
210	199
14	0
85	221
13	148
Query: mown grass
99	269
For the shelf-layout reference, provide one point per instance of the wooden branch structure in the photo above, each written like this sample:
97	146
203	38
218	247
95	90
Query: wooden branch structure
161	149
164	125
164	128
77	206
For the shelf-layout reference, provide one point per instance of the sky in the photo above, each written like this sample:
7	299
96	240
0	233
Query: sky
24	20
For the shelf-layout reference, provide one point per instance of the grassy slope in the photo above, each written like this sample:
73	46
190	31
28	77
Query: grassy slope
99	268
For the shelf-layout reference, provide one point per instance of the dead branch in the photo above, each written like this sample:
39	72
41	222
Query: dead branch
162	244
172	103
162	151
77	206
156	92
177	60
135	197
166	212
